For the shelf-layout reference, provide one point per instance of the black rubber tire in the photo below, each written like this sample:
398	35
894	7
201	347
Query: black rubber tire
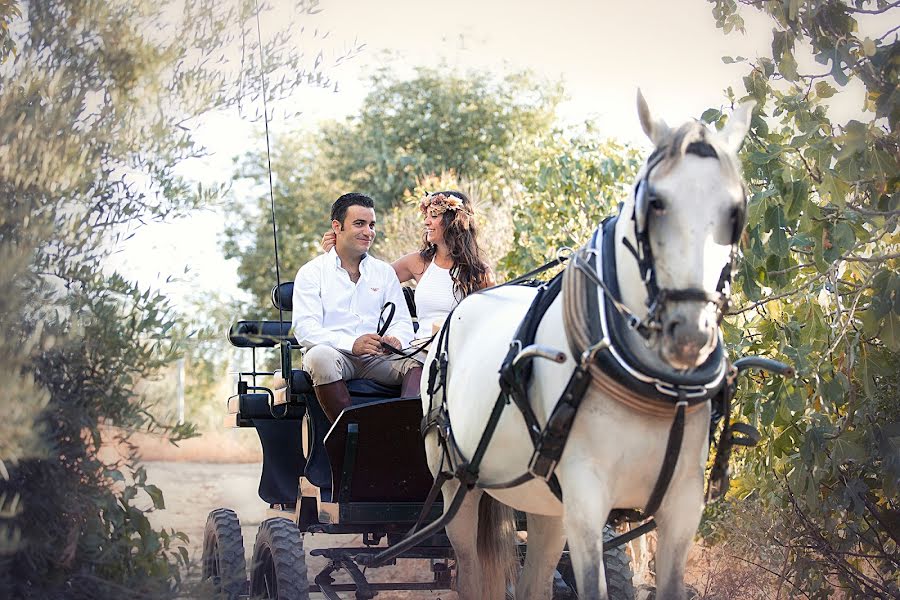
223	554
278	568
616	563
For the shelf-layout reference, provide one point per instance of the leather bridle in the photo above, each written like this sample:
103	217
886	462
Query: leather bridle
645	204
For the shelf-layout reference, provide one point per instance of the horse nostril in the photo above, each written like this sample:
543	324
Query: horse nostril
671	326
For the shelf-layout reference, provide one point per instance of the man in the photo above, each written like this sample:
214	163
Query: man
338	299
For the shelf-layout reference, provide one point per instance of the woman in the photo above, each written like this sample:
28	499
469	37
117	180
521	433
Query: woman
447	268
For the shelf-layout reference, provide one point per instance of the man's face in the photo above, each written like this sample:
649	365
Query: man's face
357	233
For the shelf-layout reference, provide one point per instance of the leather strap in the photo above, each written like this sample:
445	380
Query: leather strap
670	461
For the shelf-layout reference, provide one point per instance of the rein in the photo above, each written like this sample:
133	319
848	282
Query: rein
384	325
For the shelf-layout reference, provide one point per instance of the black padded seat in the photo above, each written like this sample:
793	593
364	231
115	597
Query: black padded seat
358	388
260	334
256	406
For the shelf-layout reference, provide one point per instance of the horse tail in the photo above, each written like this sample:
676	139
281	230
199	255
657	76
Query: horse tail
496	541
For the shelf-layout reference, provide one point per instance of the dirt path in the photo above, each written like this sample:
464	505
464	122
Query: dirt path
193	489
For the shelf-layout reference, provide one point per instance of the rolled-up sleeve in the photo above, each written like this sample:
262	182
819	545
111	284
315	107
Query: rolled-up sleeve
308	312
401	326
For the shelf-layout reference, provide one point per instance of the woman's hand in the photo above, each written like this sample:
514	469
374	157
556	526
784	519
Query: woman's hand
328	241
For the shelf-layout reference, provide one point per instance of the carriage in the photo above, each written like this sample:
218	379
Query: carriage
365	474
656	382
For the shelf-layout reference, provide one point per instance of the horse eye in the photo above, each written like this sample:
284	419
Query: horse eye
656	203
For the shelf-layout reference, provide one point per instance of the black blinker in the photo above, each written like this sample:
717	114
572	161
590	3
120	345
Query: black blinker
738	220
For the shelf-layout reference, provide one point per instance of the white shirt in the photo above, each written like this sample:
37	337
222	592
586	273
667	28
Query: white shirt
330	309
435	298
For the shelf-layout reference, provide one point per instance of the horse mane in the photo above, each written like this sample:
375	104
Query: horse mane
693	137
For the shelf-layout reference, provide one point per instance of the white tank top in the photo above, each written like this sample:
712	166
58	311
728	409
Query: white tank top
434	298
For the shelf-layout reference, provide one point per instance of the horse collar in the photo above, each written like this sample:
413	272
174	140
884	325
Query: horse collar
592	312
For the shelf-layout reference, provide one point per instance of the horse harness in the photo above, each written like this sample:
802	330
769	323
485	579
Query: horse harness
590	287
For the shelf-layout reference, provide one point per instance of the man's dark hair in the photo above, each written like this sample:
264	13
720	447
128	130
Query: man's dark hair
340	206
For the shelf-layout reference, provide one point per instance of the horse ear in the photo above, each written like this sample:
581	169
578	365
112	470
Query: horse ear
738	125
656	130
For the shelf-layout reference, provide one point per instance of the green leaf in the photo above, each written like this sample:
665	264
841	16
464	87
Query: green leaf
711	115
787	66
890	332
156	496
842	239
824	90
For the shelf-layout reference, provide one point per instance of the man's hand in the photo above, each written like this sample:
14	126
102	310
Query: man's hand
328	241
391	341
369	343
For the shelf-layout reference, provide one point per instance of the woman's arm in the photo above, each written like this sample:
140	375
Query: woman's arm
489	279
411	266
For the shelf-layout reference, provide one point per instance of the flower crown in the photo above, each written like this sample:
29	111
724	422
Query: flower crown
438	204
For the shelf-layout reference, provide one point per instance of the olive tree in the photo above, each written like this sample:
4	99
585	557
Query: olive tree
97	103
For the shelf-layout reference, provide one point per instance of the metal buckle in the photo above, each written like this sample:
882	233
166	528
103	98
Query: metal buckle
544	470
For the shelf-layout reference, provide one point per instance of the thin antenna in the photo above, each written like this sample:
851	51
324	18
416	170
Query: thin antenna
262	77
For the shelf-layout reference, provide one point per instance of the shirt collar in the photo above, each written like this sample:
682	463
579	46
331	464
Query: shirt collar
363	264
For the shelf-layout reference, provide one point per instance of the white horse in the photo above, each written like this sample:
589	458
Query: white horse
614	453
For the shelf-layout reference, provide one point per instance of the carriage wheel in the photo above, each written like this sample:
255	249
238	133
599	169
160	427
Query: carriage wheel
616	563
223	554
278	569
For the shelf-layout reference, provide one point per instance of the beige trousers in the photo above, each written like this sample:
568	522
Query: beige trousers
327	365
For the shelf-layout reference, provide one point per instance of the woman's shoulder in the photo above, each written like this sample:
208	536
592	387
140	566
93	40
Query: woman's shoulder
410	266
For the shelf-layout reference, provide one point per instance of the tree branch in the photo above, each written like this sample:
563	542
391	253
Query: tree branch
890	31
777	296
876	11
770	571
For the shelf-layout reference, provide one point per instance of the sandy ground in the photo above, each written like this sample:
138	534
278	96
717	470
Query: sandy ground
221	470
193	489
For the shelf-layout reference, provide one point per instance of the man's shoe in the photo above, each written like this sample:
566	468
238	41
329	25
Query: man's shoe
333	398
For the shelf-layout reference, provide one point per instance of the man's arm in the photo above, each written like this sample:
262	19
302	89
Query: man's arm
308	312
401	326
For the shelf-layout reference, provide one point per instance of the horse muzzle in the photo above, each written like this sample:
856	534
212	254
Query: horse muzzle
688	335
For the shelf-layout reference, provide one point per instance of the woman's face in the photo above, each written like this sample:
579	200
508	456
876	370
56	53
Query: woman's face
434	228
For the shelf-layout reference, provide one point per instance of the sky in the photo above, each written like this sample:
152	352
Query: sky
602	51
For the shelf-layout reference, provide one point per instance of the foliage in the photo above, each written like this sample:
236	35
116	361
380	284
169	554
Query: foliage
576	182
92	126
819	287
401	228
480	129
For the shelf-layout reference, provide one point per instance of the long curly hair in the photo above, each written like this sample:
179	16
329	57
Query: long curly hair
469	271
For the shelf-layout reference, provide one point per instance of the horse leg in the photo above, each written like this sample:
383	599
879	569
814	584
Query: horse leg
546	539
462	529
678	518
463	533
587	508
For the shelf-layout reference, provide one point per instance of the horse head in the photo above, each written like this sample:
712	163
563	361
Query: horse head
687	214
